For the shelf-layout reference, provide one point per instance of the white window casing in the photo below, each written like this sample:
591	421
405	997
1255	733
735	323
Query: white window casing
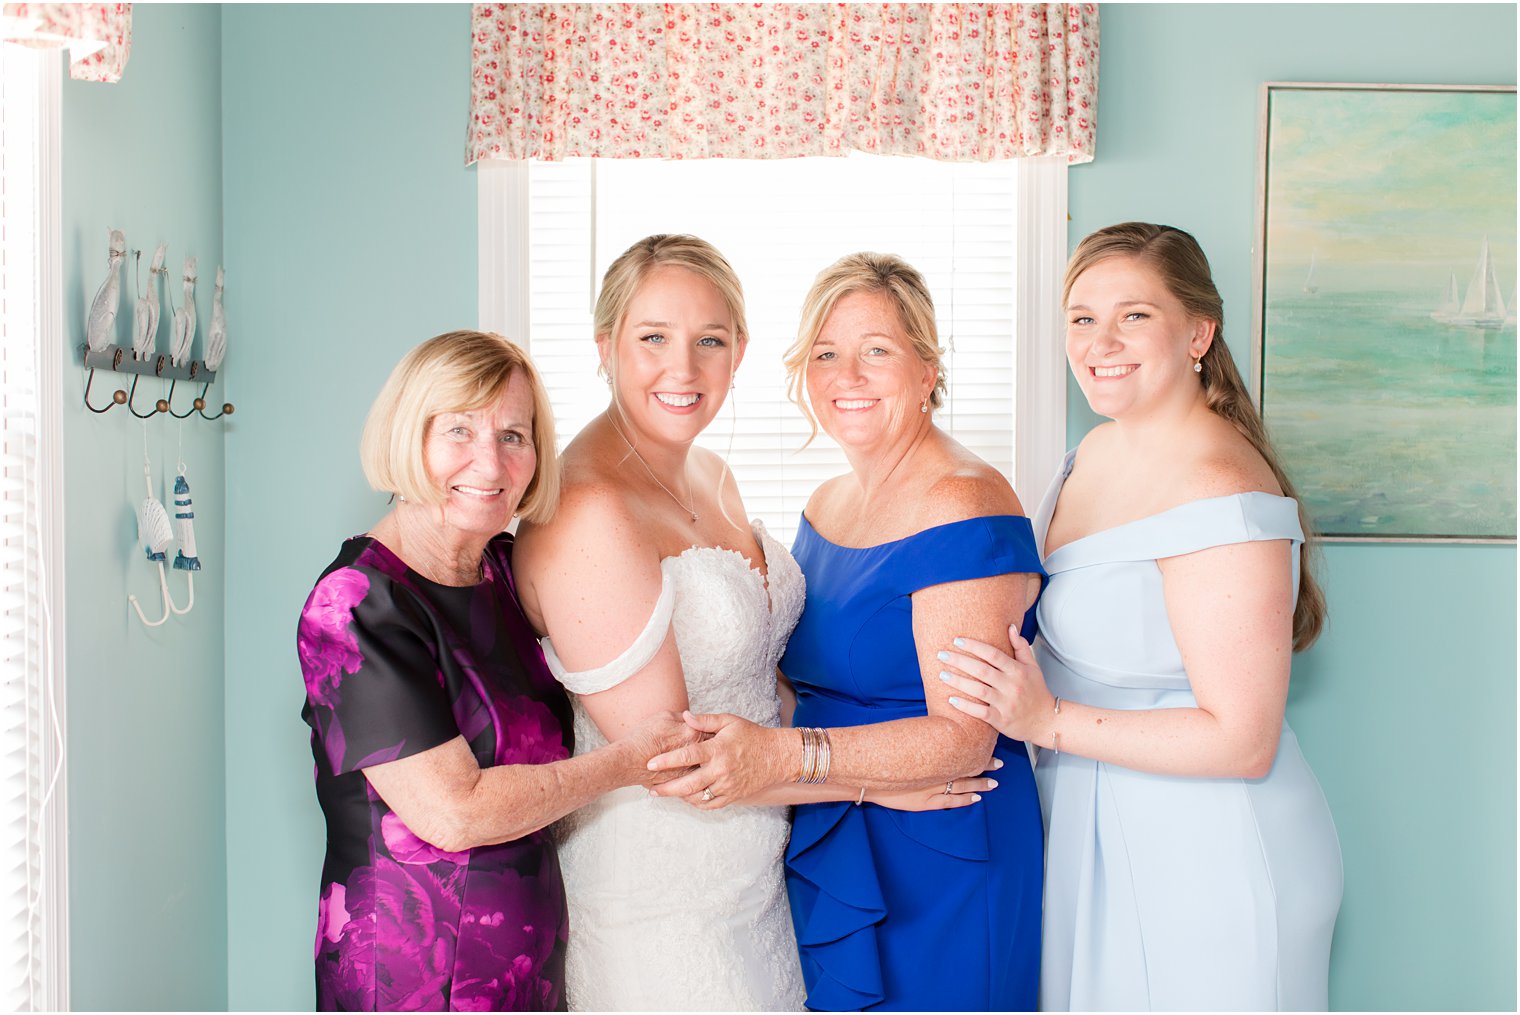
990	239
33	811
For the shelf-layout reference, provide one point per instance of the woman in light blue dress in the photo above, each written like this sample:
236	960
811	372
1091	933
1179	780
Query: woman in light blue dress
1192	862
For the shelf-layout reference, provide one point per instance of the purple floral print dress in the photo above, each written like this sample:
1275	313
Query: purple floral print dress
396	664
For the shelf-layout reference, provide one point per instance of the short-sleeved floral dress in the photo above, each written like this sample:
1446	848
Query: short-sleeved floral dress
396	664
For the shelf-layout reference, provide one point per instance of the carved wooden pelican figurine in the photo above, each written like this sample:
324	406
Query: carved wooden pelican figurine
145	334
184	319
100	329
216	334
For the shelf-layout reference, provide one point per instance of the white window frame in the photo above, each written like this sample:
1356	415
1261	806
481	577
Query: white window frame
47	969
1039	257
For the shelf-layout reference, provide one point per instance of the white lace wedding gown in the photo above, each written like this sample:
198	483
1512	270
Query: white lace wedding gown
673	908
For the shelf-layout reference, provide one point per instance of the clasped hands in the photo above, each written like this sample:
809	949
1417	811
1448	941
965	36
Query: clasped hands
712	761
737	760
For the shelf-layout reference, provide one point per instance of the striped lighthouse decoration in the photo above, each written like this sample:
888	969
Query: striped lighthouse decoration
184	525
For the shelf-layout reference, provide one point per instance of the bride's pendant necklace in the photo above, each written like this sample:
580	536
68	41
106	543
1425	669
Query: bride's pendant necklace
688	508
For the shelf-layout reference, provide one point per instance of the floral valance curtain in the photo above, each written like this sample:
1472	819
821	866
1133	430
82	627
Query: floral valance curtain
98	36
956	82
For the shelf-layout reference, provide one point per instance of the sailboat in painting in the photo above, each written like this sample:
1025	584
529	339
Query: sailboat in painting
1451	302
1310	288
1484	305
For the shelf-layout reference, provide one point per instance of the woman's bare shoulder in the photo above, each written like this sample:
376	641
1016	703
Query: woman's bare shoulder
1226	463
593	511
968	488
830	497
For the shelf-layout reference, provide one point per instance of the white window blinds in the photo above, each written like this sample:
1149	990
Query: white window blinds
33	900
780	222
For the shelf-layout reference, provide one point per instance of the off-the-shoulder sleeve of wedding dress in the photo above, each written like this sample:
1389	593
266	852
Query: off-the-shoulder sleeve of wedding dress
634	658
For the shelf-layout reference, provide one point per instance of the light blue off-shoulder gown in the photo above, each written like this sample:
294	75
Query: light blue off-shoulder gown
1166	892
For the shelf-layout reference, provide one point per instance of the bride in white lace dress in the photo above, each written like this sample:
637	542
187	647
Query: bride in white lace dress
656	596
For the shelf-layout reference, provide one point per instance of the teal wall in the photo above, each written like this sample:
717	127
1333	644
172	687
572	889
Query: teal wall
1406	707
147	851
332	139
350	209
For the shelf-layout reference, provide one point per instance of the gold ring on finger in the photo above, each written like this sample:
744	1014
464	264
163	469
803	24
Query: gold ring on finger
707	795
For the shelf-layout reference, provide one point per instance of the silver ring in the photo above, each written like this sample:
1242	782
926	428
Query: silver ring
707	795
948	790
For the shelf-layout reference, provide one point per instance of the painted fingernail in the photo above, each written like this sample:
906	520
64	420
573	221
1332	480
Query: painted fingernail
958	642
944	676
976	798
954	701
992	784
997	763
944	657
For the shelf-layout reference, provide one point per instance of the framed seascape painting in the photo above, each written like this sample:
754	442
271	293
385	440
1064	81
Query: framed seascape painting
1385	306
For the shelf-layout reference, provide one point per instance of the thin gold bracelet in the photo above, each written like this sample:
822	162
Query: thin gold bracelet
826	755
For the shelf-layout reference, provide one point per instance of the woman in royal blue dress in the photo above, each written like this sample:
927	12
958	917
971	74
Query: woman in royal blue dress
910	889
442	744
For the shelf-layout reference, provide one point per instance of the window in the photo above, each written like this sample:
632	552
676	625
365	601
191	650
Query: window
33	896
549	230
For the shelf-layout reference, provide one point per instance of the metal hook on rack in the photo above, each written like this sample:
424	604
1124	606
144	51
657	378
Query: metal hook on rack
119	360
118	397
160	406
200	404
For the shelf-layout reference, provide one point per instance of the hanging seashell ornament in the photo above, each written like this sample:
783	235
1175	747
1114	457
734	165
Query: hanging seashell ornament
153	529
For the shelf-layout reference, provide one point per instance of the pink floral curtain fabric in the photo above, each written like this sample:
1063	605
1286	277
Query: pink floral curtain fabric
99	36
956	82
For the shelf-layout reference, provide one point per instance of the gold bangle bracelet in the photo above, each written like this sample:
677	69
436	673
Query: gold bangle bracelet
825	755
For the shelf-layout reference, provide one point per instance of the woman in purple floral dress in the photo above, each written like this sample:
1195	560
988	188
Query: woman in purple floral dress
442	744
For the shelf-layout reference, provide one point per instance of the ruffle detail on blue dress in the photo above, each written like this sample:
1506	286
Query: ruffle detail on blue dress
839	934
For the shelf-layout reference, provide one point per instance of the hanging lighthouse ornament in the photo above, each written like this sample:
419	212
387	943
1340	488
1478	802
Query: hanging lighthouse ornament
184	524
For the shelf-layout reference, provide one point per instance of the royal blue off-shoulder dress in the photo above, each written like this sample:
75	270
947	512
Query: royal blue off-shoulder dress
938	910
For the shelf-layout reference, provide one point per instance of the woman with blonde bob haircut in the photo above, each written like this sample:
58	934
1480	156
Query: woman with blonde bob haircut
441	742
1193	862
460	372
911	886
